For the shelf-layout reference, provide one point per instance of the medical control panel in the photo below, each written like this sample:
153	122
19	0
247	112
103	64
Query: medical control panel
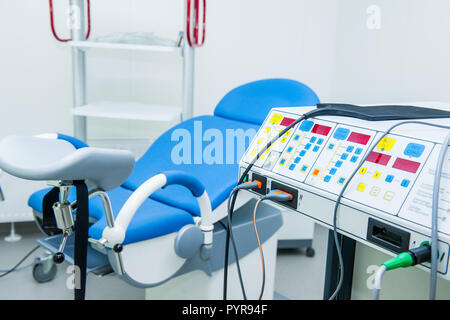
387	203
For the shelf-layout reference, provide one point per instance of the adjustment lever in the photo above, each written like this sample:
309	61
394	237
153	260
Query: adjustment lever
59	256
64	221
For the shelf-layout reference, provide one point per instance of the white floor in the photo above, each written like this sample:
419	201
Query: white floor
297	276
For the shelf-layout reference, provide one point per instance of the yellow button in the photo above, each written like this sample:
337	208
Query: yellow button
267	129
260	141
262	157
386	144
267	151
276	118
288	133
374	191
283	140
253	152
361	187
377	174
362	170
389	195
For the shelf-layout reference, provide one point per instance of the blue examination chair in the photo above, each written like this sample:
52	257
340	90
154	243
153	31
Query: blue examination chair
161	212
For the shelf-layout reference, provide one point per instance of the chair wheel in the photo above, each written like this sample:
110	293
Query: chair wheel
40	276
310	252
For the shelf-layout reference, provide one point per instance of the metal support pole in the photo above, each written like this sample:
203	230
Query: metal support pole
332	267
188	75
78	66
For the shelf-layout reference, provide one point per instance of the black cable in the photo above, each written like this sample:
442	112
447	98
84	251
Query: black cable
19	263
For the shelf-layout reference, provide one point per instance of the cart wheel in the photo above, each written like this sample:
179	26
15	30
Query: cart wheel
310	252
40	276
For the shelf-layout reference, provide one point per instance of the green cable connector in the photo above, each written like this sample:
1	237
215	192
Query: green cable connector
403	260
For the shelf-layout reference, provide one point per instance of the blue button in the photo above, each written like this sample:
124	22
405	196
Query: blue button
341	133
358	150
313	139
297	160
320	141
289	149
292	167
316	148
302	153
350	148
344	156
338	164
306	125
405	183
330	146
282	161
341	180
414	150
308	146
296	137
354	159
389	178
304	168
333	171
327	178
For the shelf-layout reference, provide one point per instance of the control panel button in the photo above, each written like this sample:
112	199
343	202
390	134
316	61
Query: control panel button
302	153
362	170
297	160
374	191
308	146
358	151
341	133
344	156
389	195
386	144
289	149
350	149
327	178
316	172
306	125
276	118
354	159
320	141
333	171
304	168
405	183
282	161
316	148
389	178
338	164
292	167
330	146
377	174
341	180
313	139
414	150
361	187
296	137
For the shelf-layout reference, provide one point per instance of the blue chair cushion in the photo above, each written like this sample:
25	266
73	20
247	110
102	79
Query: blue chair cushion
153	219
252	102
219	177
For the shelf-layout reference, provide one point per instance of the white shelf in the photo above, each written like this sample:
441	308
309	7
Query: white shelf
122	46
129	110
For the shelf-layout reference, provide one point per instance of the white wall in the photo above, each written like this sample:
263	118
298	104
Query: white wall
246	40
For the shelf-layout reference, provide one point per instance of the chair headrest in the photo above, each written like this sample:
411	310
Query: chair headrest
252	102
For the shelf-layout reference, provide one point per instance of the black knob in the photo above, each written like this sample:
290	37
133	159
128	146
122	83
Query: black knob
118	248
58	257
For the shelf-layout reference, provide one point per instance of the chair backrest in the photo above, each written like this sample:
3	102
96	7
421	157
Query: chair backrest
252	102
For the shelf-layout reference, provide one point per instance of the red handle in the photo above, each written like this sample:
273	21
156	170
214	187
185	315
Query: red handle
52	22
196	42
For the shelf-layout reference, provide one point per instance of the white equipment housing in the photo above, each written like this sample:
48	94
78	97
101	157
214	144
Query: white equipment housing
387	204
